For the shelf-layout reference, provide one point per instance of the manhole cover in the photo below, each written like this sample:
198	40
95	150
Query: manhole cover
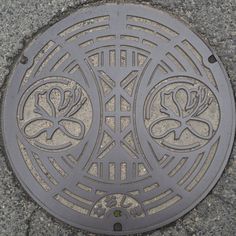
118	119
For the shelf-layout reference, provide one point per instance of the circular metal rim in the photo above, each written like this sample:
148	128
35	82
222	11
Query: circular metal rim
156	226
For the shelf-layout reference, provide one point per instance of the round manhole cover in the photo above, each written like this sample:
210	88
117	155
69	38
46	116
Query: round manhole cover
118	119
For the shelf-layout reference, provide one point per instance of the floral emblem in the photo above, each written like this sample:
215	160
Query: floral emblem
99	210
56	107
136	211
111	201
183	107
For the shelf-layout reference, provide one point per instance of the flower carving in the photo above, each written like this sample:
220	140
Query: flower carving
56	107
183	107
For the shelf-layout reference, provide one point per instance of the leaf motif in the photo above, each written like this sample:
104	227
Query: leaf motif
181	98
55	99
67	126
163	127
200	127
37	126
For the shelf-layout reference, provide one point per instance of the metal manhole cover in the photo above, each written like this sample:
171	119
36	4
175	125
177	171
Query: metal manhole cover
118	119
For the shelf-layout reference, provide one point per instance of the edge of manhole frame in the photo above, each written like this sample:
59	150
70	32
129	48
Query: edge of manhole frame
57	18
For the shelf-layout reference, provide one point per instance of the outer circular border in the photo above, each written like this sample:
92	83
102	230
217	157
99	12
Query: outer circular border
39	39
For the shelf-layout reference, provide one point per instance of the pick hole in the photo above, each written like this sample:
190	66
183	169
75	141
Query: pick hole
23	59
212	59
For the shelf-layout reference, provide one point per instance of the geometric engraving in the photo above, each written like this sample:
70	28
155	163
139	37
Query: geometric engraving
118	122
118	153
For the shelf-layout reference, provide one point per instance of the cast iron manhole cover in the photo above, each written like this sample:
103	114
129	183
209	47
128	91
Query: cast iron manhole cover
118	119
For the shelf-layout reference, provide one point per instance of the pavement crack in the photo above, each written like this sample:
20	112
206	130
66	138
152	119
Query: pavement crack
29	220
224	200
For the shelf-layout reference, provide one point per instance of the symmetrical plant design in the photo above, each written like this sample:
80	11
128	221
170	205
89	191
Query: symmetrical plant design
183	110
57	113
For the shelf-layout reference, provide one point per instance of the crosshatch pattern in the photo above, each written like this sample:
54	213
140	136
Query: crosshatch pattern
118	123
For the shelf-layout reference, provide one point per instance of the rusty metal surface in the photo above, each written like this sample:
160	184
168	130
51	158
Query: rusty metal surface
118	119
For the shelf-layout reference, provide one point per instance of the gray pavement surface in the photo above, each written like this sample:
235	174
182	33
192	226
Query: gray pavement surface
20	20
